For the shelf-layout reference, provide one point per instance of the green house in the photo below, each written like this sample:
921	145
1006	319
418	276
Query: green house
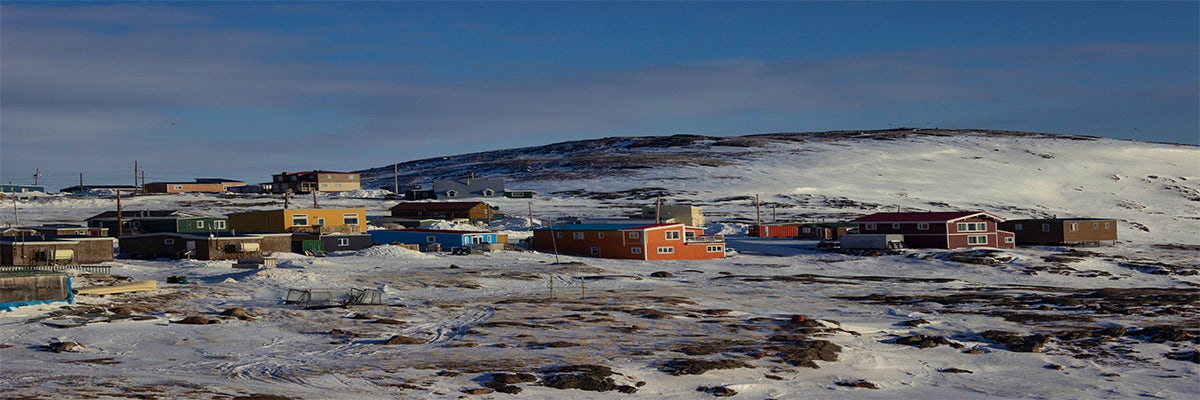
159	221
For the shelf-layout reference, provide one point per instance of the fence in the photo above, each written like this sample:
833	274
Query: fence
95	269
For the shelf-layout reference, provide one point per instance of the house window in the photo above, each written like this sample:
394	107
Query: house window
672	235
577	235
430	239
806	230
218	224
343	242
168	241
1018	227
1095	225
350	219
977	239
1074	227
451	193
972	226
300	220
666	250
199	224
1045	227
595	250
600	235
488	192
320	221
715	249
1008	239
635	235
870	227
895	226
353	177
922	226
558	235
178	187
635	250
1105	225
689	235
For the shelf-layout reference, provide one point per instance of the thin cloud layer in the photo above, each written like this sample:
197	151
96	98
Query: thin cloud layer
108	84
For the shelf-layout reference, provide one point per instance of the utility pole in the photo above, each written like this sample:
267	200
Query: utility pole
143	181
531	215
658	210
37	173
80	181
314	193
135	176
773	220
120	231
396	178
757	211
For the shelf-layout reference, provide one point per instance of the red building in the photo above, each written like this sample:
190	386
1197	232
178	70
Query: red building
939	230
774	231
644	242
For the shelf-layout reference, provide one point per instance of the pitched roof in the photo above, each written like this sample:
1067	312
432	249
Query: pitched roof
440	205
945	216
449	231
145	214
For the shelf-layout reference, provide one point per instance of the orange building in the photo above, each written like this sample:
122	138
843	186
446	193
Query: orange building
636	242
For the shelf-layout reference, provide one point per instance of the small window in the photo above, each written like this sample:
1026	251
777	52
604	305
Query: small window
600	235
350	219
635	235
1045	227
300	220
558	234
353	177
871	227
895	226
488	192
1074	227
178	187
1018	227
451	193
1095	225
672	235
577	235
343	242
320	221
972	226
806	230
199	224
1008	239
666	250
1106	226
218	224
430	239
168	241
977	239
594	250
923	226
715	249
635	250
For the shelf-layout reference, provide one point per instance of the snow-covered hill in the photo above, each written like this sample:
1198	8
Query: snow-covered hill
1153	188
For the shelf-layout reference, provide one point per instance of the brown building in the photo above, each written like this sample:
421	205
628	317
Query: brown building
475	211
321	181
203	247
1063	231
201	185
62	250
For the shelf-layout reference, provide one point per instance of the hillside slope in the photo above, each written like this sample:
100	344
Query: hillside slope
1154	188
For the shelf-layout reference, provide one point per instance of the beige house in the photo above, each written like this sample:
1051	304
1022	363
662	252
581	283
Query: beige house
321	181
687	215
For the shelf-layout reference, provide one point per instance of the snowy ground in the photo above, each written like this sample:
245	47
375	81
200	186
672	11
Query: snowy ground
1041	322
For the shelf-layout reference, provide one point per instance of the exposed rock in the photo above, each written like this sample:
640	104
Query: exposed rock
956	371
513	378
1190	356
662	274
388	321
481	390
803	353
915	322
398	339
59	347
237	312
858	384
925	342
1055	367
691	366
718	391
1162	334
197	320
583	377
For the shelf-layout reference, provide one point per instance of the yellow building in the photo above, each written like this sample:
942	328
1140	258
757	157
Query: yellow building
313	220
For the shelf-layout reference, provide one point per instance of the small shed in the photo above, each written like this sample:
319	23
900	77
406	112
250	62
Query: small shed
55	250
426	237
26	288
181	245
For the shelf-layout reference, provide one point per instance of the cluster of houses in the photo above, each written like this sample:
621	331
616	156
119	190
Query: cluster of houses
947	230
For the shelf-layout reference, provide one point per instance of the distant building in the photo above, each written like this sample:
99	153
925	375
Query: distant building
1063	231
939	230
443	238
467	188
473	211
84	188
132	222
55	250
310	220
225	246
687	215
321	181
11	188
638	242
201	185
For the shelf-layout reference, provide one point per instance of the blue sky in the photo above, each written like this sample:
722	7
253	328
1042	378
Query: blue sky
244	90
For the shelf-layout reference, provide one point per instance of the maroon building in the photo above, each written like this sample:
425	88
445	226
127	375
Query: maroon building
939	230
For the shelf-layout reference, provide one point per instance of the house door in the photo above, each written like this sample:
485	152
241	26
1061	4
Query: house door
191	245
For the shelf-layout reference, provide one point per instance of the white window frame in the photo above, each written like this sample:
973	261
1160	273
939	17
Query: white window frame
488	192
451	193
635	250
923	226
577	235
715	249
431	239
600	235
558	234
672	235
200	224
635	235
1106	226
219	224
169	241
594	250
1045	227
1073	227
1008	239
321	221
665	250
343	242
350	218
895	226
972	227
177	187
977	239
301	218
870	227
1095	225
